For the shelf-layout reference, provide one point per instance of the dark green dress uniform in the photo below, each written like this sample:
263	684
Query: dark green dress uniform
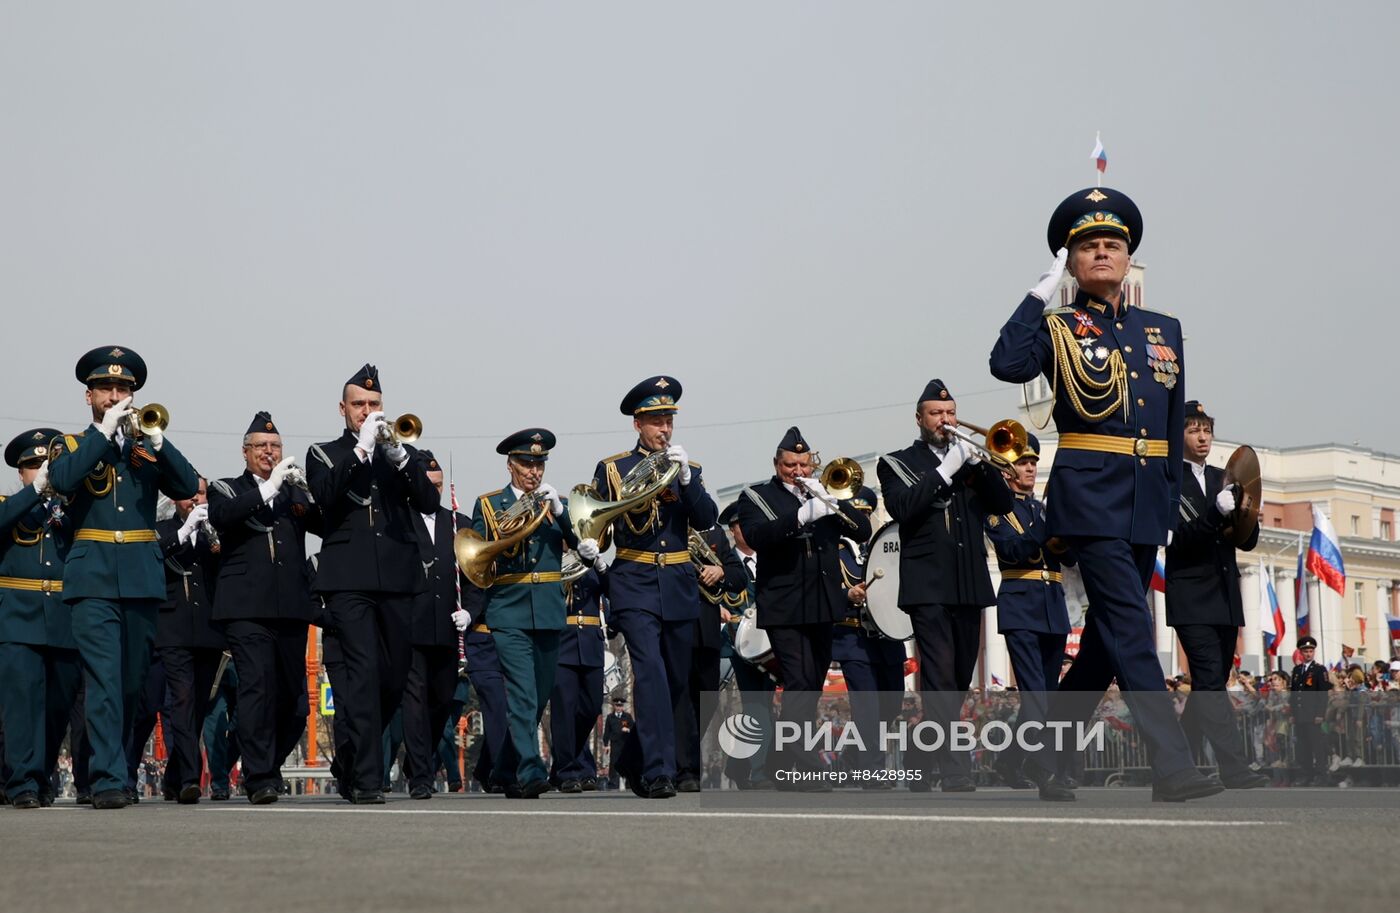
114	577
525	610
39	667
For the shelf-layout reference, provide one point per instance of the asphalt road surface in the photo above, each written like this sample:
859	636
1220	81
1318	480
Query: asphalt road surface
995	850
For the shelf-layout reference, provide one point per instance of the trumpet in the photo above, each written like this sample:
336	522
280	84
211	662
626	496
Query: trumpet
590	516
476	555
405	429
1004	443
211	535
296	477
149	418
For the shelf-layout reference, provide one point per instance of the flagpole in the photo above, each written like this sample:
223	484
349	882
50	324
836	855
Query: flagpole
456	573
1098	173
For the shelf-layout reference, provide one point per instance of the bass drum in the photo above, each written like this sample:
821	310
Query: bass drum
752	645
612	674
882	611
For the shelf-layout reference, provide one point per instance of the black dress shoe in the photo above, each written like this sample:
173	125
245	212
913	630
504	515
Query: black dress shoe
421	792
534	789
921	786
571	786
189	794
588	784
1009	769
1184	785
132	796
167	796
84	798
1247	779
111	798
218	793
26	801
688	784
1053	789
366	797
263	795
877	785
661	788
958	784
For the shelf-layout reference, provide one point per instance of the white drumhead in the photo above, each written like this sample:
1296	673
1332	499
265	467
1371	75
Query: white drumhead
751	641
882	585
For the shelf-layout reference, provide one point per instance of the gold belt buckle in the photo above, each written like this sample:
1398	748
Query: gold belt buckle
119	536
660	559
1140	446
1045	574
46	586
535	577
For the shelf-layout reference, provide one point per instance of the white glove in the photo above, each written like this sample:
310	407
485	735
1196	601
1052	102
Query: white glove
369	433
814	486
114	417
187	529
678	455
950	464
1171	534
462	619
156	438
813	510
600	564
556	504
396	454
1225	501
269	487
41	478
1050	279
588	549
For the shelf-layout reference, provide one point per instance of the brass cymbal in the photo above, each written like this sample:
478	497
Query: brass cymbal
1242	469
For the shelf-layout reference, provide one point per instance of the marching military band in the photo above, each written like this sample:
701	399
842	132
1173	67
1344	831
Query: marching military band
521	597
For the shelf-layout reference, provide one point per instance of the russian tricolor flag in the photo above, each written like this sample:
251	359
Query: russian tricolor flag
1159	576
1325	554
1270	614
1394	624
1300	592
1098	155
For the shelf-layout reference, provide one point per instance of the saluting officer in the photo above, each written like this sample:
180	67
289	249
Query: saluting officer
791	521
525	605
263	600
188	641
1031	614
39	667
940	492
368	485
1114	490
723	590
1204	605
432	673
113	577
577	698
872	665
652	591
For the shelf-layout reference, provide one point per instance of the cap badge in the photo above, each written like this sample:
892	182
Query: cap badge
661	383
1096	196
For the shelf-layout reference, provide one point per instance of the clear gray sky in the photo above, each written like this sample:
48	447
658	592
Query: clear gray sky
802	210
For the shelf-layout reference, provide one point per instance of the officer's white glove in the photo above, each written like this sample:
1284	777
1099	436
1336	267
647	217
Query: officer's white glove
462	619
814	486
556	504
114	418
1050	279
953	461
678	455
41	478
588	549
187	529
369	432
600	564
1171	534
1225	501
813	510
156	438
269	487
396	454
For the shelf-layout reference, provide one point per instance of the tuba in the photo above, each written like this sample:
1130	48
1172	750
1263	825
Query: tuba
1004	443
476	555
590	516
405	429
143	421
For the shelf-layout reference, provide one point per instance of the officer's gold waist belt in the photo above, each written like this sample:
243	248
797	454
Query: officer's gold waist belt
1112	443
850	622
1047	576
533	577
641	557
117	536
479	629
593	620
34	586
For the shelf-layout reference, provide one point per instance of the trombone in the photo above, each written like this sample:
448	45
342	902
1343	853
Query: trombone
405	429
1004	443
842	479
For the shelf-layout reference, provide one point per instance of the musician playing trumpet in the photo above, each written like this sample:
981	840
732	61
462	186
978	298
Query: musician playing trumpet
524	604
652	585
792	523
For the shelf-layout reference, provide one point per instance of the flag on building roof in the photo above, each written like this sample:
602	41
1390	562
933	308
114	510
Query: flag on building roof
1325	553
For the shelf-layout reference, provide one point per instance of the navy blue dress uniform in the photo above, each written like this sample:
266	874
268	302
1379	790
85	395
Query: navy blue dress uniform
1205	608
873	666
1032	616
799	589
369	572
262	599
190	646
525	610
484	674
577	698
39	667
1113	493
432	673
653	595
755	686
114	576
1308	686
944	583
694	715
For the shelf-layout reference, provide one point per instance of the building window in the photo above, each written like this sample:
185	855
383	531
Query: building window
1385	530
1355	525
1360	591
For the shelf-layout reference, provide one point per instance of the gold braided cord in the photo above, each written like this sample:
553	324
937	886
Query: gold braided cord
1079	384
